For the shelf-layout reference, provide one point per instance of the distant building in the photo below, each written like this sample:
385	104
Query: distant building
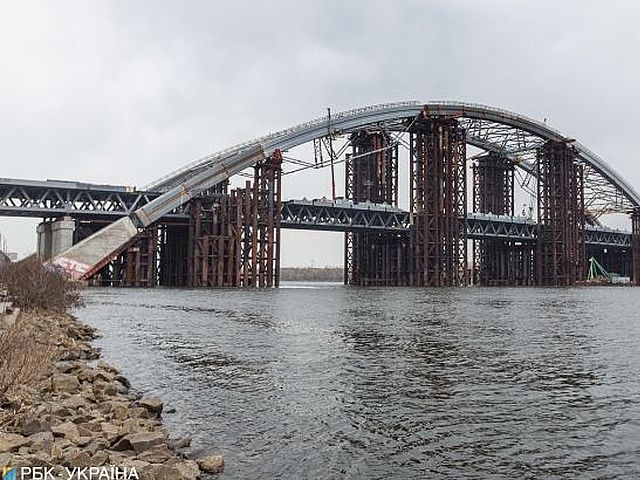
4	258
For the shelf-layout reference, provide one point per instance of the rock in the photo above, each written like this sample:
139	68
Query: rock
97	445
99	458
79	459
83	441
122	445
35	426
68	430
101	388
107	367
120	411
65	383
152	404
74	402
137	412
59	411
10	442
41	442
91	426
110	432
211	463
188	469
123	380
157	454
159	472
145	440
180	443
6	458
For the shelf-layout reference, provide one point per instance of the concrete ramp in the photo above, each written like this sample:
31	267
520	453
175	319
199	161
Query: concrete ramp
87	257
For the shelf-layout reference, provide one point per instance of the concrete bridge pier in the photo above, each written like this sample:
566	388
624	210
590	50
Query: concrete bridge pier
55	237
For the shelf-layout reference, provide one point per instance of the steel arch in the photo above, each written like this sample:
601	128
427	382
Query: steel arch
488	128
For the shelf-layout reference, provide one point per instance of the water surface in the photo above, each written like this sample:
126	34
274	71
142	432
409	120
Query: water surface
326	381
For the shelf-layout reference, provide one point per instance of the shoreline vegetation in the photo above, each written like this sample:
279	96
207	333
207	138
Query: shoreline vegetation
311	274
61	407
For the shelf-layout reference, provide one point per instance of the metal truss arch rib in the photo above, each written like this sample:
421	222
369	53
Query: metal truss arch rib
523	130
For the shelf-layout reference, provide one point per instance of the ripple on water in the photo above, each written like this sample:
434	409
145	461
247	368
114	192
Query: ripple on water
335	382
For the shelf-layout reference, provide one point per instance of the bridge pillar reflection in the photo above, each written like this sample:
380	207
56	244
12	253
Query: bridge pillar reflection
371	175
438	202
635	245
560	244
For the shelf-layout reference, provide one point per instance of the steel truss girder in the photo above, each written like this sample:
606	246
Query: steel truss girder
27	198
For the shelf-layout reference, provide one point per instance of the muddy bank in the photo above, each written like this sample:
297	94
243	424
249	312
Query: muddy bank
60	406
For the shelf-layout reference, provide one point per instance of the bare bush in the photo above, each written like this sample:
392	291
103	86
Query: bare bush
26	352
32	286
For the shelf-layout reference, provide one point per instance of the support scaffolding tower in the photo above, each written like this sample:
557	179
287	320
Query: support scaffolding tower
234	238
438	202
560	244
371	175
135	266
635	244
498	261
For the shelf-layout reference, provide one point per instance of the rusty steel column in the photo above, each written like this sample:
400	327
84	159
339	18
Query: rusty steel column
496	261
635	244
438	202
560	243
371	175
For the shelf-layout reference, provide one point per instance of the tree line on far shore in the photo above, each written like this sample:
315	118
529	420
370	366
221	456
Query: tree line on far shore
311	274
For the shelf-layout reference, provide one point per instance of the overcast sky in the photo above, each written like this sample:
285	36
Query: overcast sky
124	91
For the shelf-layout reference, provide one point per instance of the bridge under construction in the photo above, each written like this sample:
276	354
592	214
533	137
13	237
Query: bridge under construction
190	228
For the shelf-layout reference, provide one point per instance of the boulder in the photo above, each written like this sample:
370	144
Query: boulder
35	426
10	442
41	442
145	440
159	472
99	458
157	454
180	443
122	445
152	404
74	402
110	432
105	366
79	459
68	430
65	383
97	445
188	469
211	463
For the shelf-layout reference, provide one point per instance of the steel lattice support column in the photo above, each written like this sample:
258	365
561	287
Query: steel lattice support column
496	261
438	202
560	244
635	244
234	239
371	175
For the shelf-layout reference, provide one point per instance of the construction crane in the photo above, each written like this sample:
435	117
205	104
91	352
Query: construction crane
597	273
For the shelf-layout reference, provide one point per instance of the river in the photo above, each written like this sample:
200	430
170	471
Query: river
326	381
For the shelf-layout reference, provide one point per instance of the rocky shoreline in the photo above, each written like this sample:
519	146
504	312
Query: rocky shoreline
81	413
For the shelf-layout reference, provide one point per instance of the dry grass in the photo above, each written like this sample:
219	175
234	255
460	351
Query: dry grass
33	287
26	353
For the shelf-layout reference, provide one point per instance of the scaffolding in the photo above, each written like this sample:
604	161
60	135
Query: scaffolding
371	175
498	261
136	265
438	196
234	238
560	244
635	244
